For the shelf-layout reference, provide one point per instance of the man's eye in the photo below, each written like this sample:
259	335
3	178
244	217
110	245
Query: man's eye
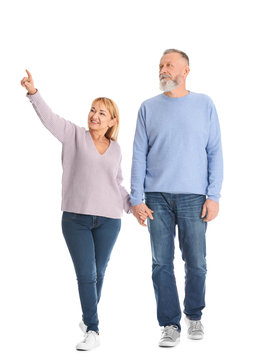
102	114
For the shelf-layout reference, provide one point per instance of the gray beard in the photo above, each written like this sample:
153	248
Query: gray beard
168	85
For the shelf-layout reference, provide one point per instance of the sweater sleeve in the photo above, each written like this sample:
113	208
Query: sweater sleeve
215	158
140	149
58	126
124	194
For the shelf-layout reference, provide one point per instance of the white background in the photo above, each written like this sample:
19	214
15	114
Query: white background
76	51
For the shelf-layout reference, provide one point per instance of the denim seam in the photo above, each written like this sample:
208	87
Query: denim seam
169	205
185	260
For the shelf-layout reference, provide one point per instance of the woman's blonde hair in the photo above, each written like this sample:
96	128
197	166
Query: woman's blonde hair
112	132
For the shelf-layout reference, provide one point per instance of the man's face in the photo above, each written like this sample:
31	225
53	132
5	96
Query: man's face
173	69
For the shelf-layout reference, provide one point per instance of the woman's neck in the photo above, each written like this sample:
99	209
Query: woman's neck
98	135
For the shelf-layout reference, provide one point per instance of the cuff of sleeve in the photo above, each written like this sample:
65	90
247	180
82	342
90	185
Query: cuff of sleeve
136	200
127	205
33	97
214	197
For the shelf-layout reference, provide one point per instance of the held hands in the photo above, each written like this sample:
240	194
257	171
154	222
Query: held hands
141	212
27	83
210	207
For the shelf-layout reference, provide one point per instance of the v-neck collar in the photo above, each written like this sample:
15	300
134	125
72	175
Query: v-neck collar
92	141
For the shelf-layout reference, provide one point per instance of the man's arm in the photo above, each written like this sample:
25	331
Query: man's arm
215	158
140	149
215	167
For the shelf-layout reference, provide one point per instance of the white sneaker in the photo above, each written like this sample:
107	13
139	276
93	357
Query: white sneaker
90	341
83	327
195	329
170	336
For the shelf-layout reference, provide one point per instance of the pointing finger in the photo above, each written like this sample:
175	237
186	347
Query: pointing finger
29	74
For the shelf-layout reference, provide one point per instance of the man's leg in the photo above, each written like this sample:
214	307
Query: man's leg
192	230
162	232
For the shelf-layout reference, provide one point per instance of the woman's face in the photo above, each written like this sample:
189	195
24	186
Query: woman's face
99	117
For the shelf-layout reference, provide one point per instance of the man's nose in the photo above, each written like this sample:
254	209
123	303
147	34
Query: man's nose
163	69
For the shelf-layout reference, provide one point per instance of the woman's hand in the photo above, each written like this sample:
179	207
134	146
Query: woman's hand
27	83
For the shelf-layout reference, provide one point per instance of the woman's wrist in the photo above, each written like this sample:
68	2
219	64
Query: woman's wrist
32	92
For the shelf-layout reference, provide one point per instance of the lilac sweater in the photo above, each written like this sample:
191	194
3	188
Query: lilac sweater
91	182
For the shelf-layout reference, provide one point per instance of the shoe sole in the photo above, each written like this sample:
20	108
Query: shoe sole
195	337
169	344
81	348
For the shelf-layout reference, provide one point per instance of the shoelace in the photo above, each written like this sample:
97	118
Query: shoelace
88	333
168	330
195	325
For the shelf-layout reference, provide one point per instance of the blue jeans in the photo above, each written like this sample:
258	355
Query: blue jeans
90	240
183	210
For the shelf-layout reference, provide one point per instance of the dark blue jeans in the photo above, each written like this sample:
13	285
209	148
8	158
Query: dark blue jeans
90	240
183	210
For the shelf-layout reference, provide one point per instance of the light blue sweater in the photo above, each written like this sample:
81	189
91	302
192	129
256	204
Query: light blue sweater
177	147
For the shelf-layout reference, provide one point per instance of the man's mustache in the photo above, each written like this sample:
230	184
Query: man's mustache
164	76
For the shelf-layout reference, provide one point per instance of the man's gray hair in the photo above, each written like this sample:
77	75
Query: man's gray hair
185	56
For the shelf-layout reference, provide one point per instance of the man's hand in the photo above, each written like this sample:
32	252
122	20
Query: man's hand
212	208
141	212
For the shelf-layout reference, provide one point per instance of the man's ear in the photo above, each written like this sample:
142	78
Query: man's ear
187	70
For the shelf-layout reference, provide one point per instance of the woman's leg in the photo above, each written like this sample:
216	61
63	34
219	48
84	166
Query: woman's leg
105	234
78	236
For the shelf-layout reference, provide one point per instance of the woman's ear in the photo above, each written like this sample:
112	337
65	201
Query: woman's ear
112	122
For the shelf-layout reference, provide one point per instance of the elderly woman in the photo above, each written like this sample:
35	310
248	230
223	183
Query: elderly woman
93	198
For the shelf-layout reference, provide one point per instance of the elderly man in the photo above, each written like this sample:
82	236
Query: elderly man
177	169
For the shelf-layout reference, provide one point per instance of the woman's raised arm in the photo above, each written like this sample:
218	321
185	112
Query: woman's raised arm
57	125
